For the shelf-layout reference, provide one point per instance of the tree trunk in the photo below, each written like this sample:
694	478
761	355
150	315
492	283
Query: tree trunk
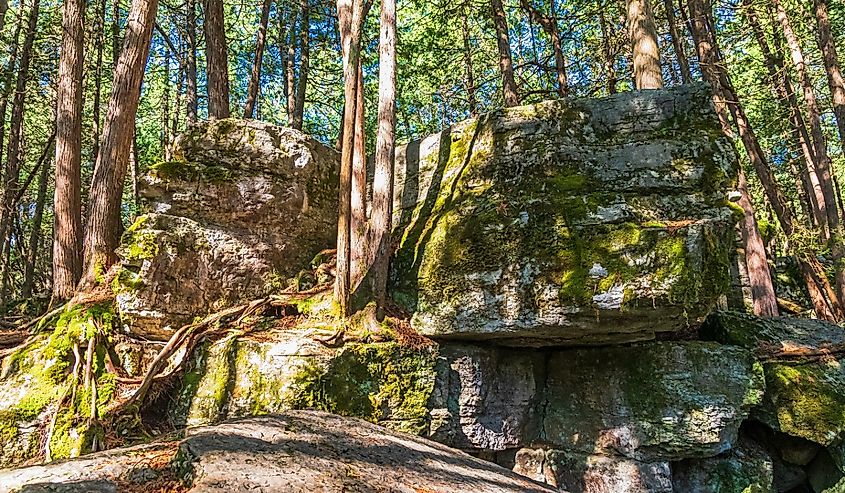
609	57
823	163
382	210
304	54
714	72
165	108
8	80
350	21
13	156
217	71
67	201
115	34
677	42
644	49
509	89
102	234
37	219
549	25
290	68
191	61
255	75
472	101
99	41
835	81
358	229
782	84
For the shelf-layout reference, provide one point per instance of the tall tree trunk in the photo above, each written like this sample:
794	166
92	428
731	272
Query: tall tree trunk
382	210
472	101
217	69
115	32
255	75
99	42
509	90
13	156
677	42
644	49
102	234
835	81
8	81
304	60
37	219
165	108
67	201
350	21
714	72
549	25
782	84
609	57
823	163
191	61
358	229
290	68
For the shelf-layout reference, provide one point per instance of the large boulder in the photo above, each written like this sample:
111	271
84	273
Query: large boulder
242	208
297	452
568	222
804	369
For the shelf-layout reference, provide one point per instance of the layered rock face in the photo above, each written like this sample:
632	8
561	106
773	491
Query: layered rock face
243	207
568	222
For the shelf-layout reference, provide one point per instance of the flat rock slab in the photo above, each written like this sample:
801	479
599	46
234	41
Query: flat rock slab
302	451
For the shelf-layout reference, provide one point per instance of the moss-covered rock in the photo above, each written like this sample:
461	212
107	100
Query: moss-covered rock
805	396
658	401
243	207
745	469
586	221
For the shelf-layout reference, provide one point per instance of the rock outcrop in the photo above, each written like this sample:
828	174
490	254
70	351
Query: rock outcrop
298	452
568	222
243	207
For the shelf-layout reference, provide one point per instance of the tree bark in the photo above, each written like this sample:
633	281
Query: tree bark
382	210
37	219
13	156
835	81
100	33
67	199
304	60
359	252
549	25
350	21
102	234
509	90
677	42
191	61
217	72
644	49
290	68
609	57
255	75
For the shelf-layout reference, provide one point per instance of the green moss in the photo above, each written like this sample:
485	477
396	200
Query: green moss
808	399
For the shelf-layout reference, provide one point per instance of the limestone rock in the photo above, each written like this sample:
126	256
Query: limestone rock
746	468
805	399
244	206
658	401
295	452
608	474
567	222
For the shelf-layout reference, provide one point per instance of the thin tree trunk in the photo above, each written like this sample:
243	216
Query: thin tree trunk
782	84
304	55
99	41
350	21
358	229
115	32
8	81
714	72
191	62
835	81
255	75
37	219
67	201
290	68
677	42
549	25
165	108
609	58
509	90
472	101
823	163
382	210
107	184
217	71
13	156
644	49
